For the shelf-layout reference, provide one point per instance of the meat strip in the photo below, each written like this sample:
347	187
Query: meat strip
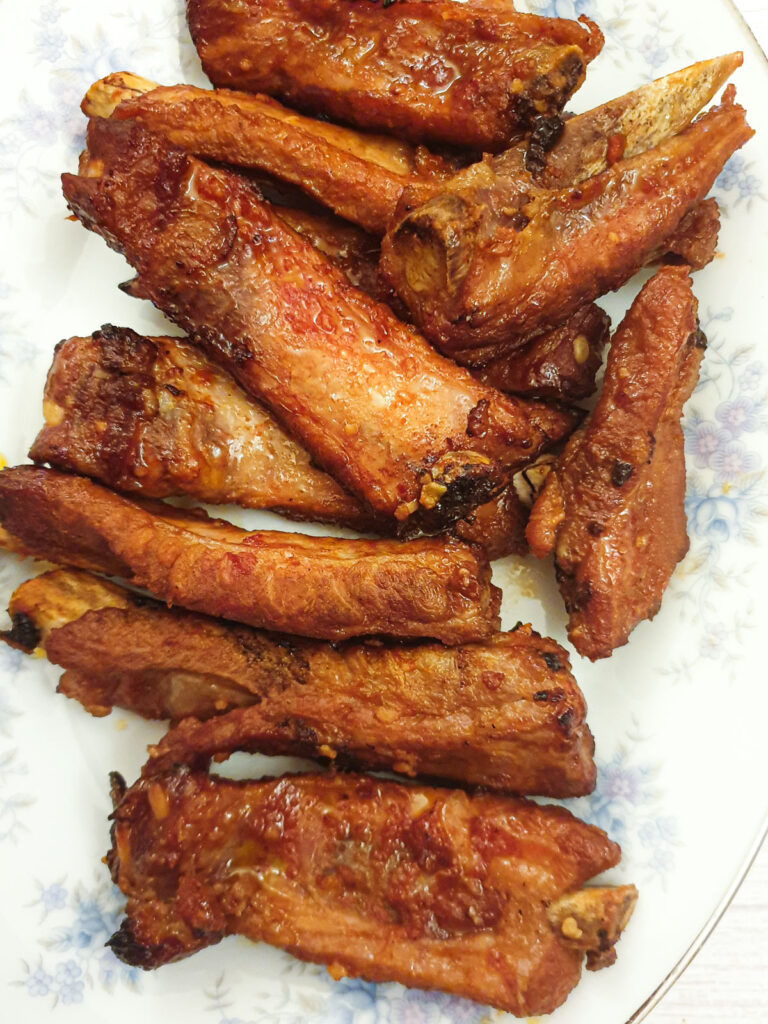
359	176
434	72
480	896
314	586
612	508
403	429
506	713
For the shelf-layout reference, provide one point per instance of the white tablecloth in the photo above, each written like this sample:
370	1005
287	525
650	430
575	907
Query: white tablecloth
728	981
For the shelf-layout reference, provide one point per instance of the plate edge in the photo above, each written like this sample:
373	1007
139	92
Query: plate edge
699	942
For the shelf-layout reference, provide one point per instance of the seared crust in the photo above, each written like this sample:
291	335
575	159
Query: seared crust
506	714
224	266
359	176
312	586
694	243
467	75
428	887
613	507
551	252
498	526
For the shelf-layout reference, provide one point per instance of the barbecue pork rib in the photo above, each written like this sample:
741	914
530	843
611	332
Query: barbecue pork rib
405	430
481	896
357	175
432	72
494	258
612	508
313	586
505	714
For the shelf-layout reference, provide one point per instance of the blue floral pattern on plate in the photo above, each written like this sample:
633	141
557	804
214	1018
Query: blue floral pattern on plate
75	924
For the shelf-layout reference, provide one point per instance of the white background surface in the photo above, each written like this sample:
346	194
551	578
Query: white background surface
728	981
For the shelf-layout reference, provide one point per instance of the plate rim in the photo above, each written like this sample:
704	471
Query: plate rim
759	840
685	961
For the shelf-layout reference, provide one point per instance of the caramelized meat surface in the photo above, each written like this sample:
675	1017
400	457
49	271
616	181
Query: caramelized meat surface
553	251
560	364
359	176
354	251
312	586
474	895
442	72
694	243
506	713
156	418
612	509
405	430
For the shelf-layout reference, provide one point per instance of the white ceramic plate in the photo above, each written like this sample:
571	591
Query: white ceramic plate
679	715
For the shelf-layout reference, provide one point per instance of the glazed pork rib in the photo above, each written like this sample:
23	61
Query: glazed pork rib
313	586
612	509
481	896
493	257
505	714
402	428
434	72
359	176
156	418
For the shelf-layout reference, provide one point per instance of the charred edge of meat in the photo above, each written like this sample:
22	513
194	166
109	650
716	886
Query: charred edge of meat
698	339
548	696
552	661
23	634
126	948
621	473
457	483
117	788
544	137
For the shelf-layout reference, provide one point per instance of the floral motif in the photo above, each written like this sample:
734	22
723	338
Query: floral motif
75	957
627	803
14	799
349	1001
738	176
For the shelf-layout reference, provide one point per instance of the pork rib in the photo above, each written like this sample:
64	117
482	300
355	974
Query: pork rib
481	896
359	176
506	713
313	586
156	418
435	72
612	508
